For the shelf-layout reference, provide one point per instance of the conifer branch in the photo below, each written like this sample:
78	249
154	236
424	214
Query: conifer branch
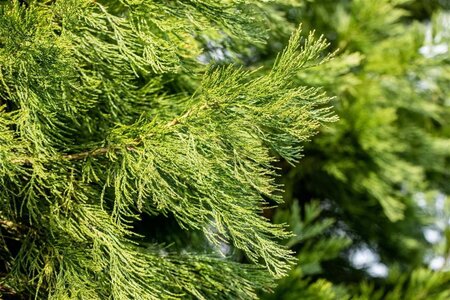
86	154
9	225
18	229
7	291
104	150
130	147
77	69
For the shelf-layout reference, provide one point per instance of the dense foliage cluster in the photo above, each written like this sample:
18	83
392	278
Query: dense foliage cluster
141	143
110	120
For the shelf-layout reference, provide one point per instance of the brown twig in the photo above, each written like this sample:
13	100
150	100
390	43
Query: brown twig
7	291
83	155
16	228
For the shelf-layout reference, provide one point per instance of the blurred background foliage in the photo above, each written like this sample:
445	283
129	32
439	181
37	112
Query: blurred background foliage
369	200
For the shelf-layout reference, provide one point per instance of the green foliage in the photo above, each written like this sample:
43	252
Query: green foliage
390	141
420	284
110	122
313	245
390	147
140	143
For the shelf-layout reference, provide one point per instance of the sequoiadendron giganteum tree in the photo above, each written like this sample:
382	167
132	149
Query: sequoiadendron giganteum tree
110	120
